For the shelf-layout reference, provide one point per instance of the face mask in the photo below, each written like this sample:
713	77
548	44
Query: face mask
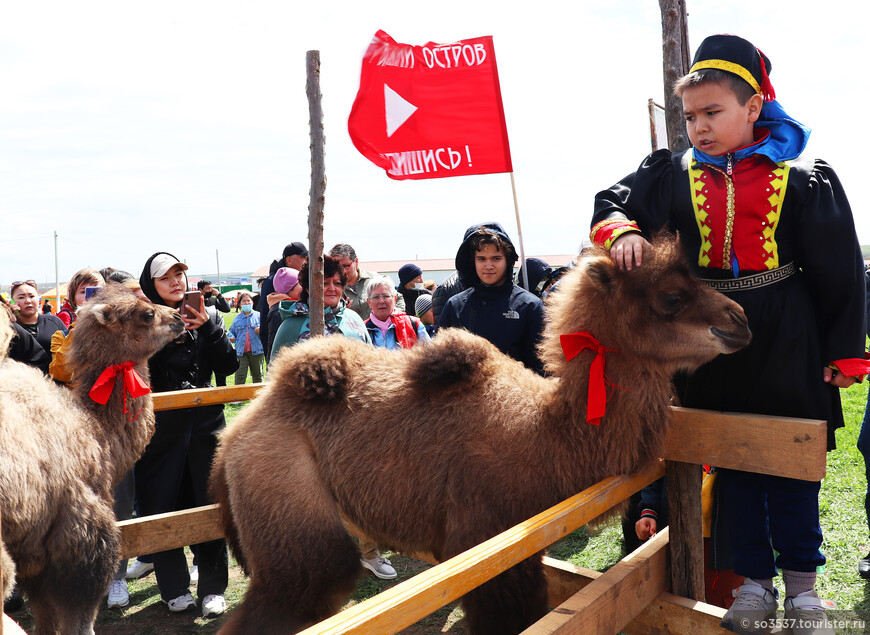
247	308
418	286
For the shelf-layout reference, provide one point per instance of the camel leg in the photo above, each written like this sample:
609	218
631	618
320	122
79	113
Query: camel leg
303	563
510	602
84	549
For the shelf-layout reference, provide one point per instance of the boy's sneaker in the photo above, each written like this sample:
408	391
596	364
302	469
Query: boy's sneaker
213	605
181	603
119	595
805	613
752	610
194	574
380	566
138	568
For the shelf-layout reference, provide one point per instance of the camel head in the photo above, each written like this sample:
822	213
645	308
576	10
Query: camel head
659	312
115	326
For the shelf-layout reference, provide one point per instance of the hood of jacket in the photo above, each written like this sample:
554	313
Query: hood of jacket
147	282
465	256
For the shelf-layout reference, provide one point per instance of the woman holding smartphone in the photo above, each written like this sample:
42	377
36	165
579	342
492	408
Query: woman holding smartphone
184	440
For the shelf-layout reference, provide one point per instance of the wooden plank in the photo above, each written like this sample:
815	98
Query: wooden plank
409	602
672	614
150	534
10	626
175	399
686	523
611	601
768	445
565	579
668	613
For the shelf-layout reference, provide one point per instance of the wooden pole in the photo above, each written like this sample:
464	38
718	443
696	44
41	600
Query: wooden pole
684	480
318	188
675	63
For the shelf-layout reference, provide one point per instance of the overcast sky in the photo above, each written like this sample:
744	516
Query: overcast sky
131	128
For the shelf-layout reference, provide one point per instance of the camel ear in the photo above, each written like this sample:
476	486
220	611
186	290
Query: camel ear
601	272
103	313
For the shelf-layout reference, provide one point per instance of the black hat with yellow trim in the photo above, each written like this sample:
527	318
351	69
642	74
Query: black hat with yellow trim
735	55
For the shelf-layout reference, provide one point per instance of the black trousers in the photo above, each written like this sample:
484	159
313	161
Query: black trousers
182	448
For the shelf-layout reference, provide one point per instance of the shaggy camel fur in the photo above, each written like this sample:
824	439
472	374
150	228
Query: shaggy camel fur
489	443
61	454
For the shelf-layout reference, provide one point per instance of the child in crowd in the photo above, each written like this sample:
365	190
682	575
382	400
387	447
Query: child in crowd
423	309
774	232
494	307
76	290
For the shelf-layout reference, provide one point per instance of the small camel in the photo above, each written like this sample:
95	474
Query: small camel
487	443
61	454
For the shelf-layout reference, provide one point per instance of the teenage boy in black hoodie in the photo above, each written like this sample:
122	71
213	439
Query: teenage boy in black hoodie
494	307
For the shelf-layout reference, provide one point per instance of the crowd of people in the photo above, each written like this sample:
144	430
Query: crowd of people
761	224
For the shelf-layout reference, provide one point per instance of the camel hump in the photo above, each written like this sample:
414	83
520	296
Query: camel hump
455	357
319	369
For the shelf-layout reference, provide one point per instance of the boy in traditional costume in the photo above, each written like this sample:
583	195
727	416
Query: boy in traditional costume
774	232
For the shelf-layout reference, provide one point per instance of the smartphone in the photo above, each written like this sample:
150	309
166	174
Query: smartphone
192	298
90	291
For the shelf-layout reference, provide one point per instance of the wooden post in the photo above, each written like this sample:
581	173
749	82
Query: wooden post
675	63
686	529
684	480
318	188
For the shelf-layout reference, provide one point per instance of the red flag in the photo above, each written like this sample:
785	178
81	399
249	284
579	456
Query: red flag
426	112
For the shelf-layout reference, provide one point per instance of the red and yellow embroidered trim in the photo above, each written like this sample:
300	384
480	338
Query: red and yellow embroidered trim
778	186
699	201
605	232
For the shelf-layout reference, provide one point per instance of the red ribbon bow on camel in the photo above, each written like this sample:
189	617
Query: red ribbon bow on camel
134	385
572	345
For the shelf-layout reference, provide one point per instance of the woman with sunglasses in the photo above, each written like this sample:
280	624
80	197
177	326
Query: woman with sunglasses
29	316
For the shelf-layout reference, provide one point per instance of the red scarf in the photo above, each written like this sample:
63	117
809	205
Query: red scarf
596	400
134	385
406	334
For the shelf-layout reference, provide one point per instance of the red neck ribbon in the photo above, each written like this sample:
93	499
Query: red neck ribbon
134	385
596	401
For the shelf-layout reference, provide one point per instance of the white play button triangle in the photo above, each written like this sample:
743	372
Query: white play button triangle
397	109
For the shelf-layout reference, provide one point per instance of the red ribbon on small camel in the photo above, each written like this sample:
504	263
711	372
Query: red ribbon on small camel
134	385
596	401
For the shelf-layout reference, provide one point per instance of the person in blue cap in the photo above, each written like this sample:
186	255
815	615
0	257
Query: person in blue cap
772	230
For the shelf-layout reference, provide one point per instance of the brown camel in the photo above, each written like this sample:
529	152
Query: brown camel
61	454
488	444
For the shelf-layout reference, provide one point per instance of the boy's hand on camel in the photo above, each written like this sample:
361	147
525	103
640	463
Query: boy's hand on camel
627	250
200	319
645	527
836	378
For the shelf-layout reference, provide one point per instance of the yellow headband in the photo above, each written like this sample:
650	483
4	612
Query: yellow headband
730	67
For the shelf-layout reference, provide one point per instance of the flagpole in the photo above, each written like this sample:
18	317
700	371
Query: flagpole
520	232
